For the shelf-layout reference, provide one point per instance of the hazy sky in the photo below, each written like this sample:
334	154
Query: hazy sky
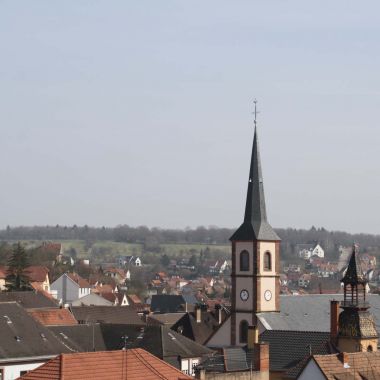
139	112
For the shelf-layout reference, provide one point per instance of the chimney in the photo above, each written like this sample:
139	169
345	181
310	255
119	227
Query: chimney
253	337
198	313
218	312
343	357
334	324
261	357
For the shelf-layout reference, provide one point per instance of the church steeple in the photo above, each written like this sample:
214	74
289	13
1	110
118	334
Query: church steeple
255	225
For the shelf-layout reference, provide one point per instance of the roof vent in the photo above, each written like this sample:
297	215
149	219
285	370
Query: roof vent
43	336
7	319
63	335
172	337
18	338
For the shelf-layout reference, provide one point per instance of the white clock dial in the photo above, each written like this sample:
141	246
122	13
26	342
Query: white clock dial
268	295
244	295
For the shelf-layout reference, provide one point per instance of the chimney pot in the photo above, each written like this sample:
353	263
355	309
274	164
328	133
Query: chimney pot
343	357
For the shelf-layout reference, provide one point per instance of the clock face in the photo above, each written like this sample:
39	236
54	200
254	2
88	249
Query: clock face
244	295
268	295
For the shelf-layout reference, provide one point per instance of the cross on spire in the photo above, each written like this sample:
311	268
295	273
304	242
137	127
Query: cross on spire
255	112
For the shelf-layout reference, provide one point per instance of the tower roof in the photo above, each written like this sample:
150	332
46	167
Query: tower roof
354	274
255	225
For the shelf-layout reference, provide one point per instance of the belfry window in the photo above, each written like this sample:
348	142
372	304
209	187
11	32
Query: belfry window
244	261
243	331
267	261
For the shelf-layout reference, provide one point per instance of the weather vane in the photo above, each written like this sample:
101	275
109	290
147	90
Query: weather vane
255	112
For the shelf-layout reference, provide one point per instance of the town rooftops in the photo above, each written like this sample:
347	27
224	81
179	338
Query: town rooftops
79	280
134	364
53	317
37	273
107	314
28	299
23	337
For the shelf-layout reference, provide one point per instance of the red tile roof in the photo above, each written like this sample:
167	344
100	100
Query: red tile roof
79	280
53	317
3	271
133	364
37	273
359	365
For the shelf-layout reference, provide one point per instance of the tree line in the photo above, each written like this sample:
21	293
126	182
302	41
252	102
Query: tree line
330	240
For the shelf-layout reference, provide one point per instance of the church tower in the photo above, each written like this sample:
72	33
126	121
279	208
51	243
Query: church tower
255	258
356	326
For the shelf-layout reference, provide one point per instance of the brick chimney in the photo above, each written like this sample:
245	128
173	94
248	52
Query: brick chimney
261	357
343	357
253	337
334	320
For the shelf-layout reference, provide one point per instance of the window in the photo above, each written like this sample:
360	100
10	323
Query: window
369	348
267	261
244	261
243	331
1	373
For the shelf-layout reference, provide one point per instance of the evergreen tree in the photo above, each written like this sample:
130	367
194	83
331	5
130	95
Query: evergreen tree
17	278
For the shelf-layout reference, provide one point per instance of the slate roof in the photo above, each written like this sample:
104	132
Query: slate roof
168	319
23	337
361	365
354	274
107	314
52	317
161	341
28	299
135	364
287	348
199	332
164	303
81	338
310	312
255	225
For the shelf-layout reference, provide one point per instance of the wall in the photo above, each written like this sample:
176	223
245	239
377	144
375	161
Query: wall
311	372
245	375
12	372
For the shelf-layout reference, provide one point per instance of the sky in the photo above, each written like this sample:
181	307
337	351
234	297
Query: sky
140	112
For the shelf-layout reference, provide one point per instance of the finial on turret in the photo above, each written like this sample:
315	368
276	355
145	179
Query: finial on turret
255	112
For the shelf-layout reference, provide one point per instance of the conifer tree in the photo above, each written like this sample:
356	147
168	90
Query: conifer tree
17	278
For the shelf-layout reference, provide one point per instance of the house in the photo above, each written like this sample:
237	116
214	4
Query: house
343	365
127	261
3	275
304	280
69	287
29	299
92	299
53	317
132	364
106	314
115	298
199	325
160	341
166	319
217	267
118	274
25	344
306	251
38	277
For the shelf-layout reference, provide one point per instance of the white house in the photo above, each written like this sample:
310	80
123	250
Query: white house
130	260
69	287
308	250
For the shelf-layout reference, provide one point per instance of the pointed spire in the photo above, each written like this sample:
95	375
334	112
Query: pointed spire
255	225
354	274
